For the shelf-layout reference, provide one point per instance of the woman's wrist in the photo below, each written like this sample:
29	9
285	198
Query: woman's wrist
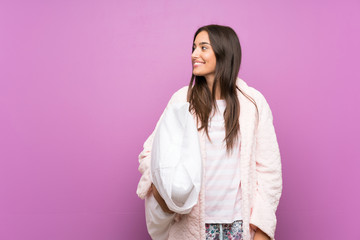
160	200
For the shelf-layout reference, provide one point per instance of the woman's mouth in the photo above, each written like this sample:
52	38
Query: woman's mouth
196	64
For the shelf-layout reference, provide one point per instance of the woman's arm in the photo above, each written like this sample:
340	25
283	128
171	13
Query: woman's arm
268	174
160	200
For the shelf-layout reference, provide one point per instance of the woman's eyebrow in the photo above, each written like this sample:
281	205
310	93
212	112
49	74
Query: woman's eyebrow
202	43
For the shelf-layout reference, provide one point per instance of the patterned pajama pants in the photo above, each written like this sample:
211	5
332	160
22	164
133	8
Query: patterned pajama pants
232	231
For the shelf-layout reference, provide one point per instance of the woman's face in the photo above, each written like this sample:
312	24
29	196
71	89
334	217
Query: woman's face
203	57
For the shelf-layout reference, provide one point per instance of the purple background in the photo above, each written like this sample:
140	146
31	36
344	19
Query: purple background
82	84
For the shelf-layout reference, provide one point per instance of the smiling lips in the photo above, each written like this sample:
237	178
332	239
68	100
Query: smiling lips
198	63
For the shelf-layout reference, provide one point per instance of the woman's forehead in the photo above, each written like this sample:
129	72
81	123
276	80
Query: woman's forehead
202	38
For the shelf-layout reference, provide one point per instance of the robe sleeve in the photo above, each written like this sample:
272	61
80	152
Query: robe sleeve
268	174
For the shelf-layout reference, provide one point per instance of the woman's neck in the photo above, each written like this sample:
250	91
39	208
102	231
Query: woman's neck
217	90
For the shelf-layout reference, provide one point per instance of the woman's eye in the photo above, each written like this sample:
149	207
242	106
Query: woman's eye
202	48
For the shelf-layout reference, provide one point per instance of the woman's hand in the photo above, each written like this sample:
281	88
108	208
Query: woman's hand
160	200
260	235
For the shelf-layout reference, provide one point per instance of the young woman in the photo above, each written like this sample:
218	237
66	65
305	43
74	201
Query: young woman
242	180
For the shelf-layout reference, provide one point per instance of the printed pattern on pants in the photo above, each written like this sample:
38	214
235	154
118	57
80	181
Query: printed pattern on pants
232	231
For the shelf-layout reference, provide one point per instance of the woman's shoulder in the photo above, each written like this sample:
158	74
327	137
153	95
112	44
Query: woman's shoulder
180	95
251	91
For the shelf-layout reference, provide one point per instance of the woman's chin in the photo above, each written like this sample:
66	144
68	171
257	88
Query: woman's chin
197	74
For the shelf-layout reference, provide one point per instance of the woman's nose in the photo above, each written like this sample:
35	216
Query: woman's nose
195	53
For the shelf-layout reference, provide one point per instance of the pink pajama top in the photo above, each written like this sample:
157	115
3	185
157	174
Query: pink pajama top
222	173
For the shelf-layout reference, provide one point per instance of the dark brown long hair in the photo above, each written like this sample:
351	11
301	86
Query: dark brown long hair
227	49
